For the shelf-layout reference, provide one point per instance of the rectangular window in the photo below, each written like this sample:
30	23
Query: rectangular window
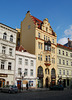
60	71
67	72
41	57
31	62
10	52
9	66
38	35
52	40
59	61
70	54
39	45
19	71
20	61
46	58
38	57
26	72
66	53
63	52
31	72
67	62
63	72
3	50
46	47
63	62
26	61
45	71
59	52
2	64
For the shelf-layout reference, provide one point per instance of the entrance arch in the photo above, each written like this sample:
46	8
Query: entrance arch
46	82
2	82
40	75
53	76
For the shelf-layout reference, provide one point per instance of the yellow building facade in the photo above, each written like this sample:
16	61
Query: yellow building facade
38	38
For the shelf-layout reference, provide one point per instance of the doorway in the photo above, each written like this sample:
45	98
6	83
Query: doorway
0	83
46	81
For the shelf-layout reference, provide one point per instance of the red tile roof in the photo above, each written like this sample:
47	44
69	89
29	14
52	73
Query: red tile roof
64	46
39	22
21	48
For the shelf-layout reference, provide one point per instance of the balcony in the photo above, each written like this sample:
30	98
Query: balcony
47	63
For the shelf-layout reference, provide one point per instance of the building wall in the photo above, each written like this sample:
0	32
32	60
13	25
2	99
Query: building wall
7	75
27	35
29	39
64	66
23	66
44	53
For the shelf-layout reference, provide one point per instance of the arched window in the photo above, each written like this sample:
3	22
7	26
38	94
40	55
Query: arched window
40	70
11	38
4	36
53	71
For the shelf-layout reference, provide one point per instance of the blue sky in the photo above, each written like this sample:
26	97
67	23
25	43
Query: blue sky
58	12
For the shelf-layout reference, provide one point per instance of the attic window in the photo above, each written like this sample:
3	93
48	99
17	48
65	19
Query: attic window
29	26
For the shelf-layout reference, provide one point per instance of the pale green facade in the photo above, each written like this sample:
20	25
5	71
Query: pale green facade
64	65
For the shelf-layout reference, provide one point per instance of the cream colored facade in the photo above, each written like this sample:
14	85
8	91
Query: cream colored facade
38	38
64	64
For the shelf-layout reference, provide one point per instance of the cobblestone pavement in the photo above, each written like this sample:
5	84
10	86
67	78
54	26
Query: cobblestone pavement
38	95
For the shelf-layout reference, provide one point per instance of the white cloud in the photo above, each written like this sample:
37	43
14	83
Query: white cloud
68	32
63	40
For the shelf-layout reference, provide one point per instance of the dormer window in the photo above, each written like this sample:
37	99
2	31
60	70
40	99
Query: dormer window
4	36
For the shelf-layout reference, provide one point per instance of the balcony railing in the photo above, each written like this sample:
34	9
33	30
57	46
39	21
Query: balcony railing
47	63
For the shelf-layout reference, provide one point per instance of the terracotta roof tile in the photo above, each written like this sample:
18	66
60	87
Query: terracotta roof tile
39	22
21	48
64	46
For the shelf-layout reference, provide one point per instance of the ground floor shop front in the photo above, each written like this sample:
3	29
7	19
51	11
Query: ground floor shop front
22	83
66	82
6	79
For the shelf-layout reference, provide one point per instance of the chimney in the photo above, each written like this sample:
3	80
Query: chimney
28	11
